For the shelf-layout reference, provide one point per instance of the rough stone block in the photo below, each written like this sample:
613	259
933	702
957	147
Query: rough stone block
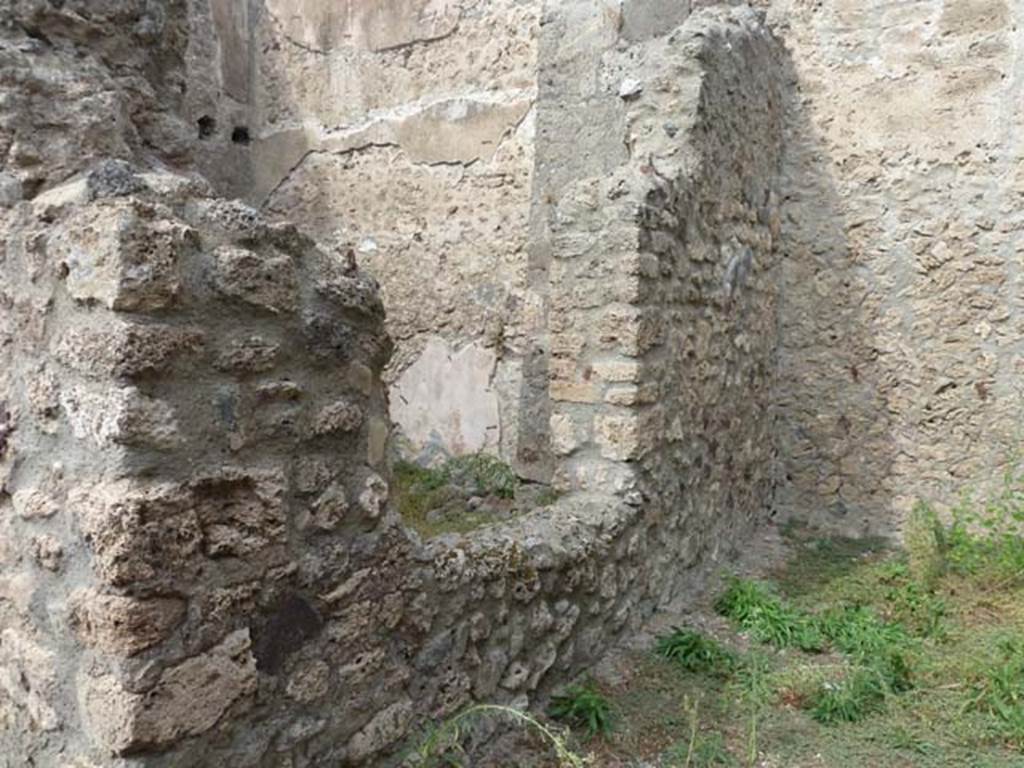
565	434
29	678
117	255
121	349
119	415
240	513
117	624
247	355
265	281
338	417
139	534
386	727
186	700
628	371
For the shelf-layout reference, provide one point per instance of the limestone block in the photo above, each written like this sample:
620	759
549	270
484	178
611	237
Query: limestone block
362	667
47	551
337	417
312	474
34	503
247	355
565	434
122	349
119	415
516	677
327	511
628	371
374	496
240	513
138	533
117	624
309	682
187	699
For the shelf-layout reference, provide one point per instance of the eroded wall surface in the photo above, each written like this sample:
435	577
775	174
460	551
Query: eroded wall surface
195	406
901	356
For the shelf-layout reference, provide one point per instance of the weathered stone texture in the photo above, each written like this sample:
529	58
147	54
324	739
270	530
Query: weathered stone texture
155	483
66	105
199	565
900	294
633	249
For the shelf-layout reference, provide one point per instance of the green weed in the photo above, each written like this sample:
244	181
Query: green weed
418	491
854	697
878	650
988	537
857	630
694	652
1000	691
442	745
583	706
703	750
919	609
755	608
900	737
924	538
482	474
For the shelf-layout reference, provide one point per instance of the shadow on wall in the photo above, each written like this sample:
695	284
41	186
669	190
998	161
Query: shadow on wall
835	428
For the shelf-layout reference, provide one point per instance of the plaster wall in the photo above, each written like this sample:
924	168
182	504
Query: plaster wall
899	370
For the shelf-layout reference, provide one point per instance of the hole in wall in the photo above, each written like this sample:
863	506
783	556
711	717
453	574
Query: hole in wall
207	126
240	135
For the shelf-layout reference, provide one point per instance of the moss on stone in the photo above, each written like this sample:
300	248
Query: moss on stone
462	494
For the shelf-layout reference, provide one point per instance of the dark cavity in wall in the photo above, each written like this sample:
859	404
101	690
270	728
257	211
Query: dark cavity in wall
6	427
207	126
292	622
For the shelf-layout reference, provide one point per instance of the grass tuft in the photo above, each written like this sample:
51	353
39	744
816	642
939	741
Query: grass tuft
583	706
419	491
1000	690
769	619
854	697
693	652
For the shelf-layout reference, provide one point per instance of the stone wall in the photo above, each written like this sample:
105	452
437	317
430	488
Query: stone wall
198	562
405	131
640	252
196	412
663	270
707	331
900	363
